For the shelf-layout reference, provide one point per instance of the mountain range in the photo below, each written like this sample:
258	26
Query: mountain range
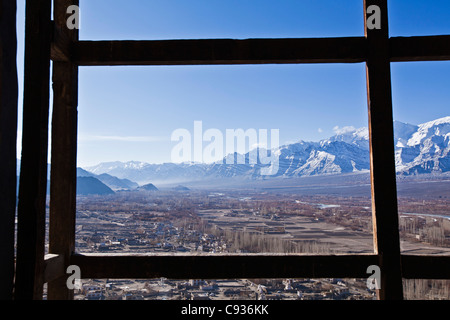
419	149
422	148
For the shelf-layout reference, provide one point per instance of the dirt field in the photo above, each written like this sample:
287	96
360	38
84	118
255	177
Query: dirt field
337	238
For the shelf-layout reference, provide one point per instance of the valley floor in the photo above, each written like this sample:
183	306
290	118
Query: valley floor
256	220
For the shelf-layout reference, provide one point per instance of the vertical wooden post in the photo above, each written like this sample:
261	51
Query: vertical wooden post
33	175
8	144
64	155
381	132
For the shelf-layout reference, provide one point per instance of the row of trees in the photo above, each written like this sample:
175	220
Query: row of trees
247	241
429	230
424	289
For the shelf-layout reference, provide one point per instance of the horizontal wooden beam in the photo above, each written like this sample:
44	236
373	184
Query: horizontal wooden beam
249	51
150	266
425	267
53	267
427	48
220	51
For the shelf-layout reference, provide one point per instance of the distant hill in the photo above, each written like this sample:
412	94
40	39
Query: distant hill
117	184
148	187
181	188
85	186
92	186
90	183
83	173
112	182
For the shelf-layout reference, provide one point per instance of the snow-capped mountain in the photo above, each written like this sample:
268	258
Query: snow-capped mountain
420	148
144	173
350	135
424	148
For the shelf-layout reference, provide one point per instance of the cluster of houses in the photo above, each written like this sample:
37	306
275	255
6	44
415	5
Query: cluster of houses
244	289
146	237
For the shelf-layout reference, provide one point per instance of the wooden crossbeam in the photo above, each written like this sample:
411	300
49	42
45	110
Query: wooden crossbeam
222	266
250	51
425	267
226	266
53	267
220	51
428	48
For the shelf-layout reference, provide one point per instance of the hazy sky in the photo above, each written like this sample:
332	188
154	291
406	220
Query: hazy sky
129	113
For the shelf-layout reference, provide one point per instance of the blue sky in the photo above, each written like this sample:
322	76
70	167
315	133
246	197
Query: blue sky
129	113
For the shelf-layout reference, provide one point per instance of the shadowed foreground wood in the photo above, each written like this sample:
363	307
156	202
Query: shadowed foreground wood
8	137
33	172
382	158
53	267
64	154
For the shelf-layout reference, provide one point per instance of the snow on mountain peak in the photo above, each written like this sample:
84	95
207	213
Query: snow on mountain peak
438	127
107	167
419	149
135	165
350	135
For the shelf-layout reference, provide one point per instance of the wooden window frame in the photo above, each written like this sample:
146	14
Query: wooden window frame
48	40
